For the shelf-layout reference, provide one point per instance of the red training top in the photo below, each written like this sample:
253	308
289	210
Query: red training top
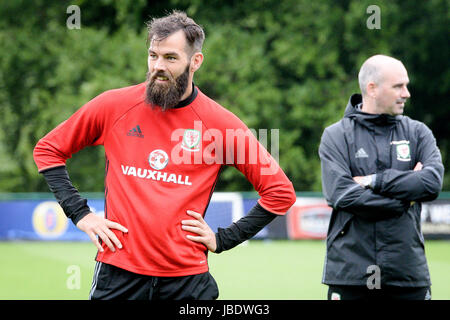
159	164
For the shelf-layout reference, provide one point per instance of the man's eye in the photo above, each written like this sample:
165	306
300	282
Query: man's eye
171	58
152	56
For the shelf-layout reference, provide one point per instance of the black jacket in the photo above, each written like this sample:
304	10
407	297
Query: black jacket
380	226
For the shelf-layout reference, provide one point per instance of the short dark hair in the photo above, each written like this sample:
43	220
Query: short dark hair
161	28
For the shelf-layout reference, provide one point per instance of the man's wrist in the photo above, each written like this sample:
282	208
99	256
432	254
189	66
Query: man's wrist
369	181
218	243
373	179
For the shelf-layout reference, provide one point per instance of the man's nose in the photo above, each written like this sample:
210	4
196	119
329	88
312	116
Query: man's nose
405	93
159	65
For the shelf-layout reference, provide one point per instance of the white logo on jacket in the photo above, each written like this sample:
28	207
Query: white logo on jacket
361	153
402	149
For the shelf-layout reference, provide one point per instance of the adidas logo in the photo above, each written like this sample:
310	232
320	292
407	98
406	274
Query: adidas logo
135	132
361	153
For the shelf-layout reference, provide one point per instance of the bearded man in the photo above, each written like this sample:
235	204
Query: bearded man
153	241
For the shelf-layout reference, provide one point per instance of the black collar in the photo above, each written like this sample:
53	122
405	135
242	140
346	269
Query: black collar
188	100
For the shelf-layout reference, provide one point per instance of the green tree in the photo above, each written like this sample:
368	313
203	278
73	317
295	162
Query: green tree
289	65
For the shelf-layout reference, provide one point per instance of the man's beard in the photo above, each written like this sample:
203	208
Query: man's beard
166	95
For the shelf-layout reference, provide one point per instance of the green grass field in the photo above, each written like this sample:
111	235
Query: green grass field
279	270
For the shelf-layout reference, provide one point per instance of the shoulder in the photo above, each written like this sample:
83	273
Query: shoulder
415	126
214	115
337	136
127	95
337	126
336	129
111	104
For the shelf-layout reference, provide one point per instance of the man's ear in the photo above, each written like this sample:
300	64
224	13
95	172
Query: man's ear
371	89
196	61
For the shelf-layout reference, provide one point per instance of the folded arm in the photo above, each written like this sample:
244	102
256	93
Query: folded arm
343	192
415	185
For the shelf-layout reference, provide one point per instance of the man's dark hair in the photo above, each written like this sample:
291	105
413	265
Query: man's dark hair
161	28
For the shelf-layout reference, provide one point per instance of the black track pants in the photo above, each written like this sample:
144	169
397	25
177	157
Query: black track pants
384	293
111	282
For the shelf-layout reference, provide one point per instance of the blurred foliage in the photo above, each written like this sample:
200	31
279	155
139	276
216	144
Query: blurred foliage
287	64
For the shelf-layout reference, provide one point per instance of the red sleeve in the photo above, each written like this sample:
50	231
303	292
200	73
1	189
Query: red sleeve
85	127
276	191
248	155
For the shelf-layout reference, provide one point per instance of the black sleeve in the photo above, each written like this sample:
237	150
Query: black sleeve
74	206
243	229
423	185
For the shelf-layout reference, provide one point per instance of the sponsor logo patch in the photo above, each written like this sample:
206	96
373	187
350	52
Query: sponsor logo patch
158	159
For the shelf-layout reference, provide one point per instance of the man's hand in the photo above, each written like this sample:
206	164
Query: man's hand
363	181
94	225
418	166
360	180
200	227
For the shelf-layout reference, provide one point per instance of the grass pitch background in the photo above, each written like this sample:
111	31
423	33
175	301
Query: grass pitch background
275	270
